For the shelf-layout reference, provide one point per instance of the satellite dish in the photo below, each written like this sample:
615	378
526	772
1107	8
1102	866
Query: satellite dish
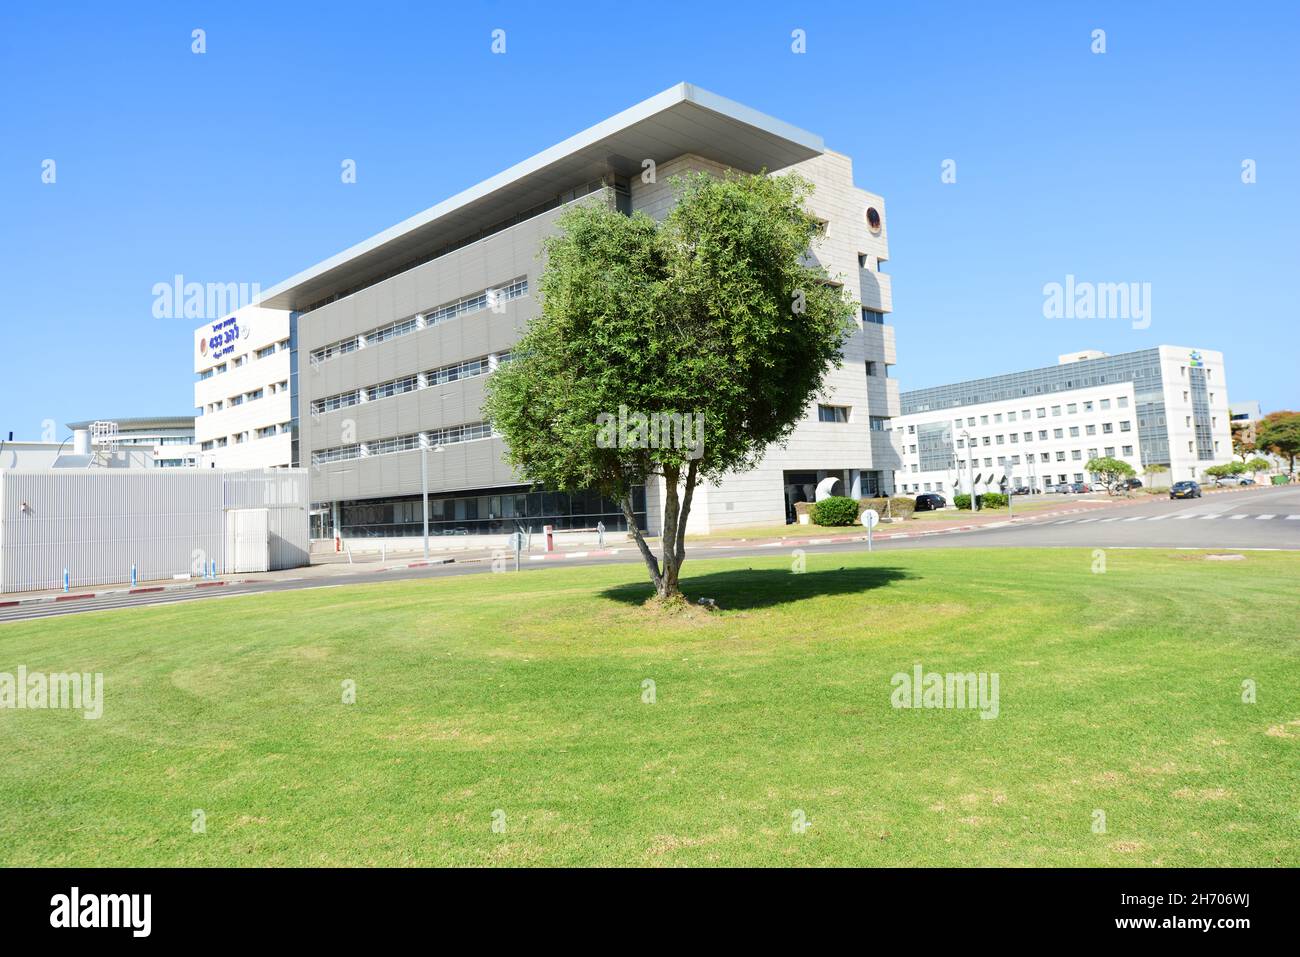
826	488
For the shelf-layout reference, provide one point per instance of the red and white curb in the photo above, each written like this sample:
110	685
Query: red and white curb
141	590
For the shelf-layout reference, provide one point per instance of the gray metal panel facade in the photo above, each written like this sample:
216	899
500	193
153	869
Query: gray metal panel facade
98	522
489	263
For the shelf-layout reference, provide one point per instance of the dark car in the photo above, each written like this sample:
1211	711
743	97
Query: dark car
1128	485
1185	489
929	501
1023	490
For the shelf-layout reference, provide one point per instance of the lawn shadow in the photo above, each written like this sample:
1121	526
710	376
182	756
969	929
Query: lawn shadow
765	587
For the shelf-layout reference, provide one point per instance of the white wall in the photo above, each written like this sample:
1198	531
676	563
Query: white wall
98	522
258	327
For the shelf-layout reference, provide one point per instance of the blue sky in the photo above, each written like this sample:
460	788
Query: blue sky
224	167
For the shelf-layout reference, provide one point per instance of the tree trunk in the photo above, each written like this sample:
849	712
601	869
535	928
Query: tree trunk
651	563
677	510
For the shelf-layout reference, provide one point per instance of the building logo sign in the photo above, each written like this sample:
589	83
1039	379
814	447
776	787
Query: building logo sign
222	341
1194	360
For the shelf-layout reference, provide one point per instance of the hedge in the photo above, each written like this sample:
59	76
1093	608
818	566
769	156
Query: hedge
986	500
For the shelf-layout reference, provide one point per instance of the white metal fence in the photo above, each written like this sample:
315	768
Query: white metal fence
98	523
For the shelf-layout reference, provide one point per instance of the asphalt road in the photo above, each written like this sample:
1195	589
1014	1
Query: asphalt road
1260	518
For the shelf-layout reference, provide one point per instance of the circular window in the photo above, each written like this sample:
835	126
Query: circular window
873	219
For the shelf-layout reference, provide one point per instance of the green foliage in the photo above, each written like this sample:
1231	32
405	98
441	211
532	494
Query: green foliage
711	318
835	511
900	507
993	500
1279	433
1257	465
1111	470
1156	468
961	500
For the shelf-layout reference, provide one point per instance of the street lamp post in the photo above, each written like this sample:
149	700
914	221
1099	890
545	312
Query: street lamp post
970	472
424	485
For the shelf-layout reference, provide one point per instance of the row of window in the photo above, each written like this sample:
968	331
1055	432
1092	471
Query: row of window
404	443
492	298
239	438
276	388
1071	408
467	369
1016	482
239	361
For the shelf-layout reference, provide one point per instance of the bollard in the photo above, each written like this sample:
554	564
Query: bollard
549	532
133	578
600	534
66	580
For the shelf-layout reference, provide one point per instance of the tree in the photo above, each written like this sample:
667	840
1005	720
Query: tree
1279	433
1257	465
1111	471
1243	438
679	350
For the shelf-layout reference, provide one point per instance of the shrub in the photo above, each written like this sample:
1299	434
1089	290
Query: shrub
836	510
961	501
993	500
898	508
902	507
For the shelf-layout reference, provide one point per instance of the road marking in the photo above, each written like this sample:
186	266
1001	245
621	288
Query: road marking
1135	518
1183	518
1236	518
1158	518
1293	518
1085	521
1262	517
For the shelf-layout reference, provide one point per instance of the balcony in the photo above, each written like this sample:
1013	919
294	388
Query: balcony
877	290
878	343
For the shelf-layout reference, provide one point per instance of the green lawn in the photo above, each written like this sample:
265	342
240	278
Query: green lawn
1119	692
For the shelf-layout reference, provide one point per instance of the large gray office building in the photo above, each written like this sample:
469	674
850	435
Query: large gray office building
393	339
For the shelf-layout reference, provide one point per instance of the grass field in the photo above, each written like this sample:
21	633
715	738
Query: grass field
518	699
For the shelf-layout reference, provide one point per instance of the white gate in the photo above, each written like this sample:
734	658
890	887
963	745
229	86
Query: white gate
248	540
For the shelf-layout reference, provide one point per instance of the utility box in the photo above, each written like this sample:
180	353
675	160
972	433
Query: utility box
248	540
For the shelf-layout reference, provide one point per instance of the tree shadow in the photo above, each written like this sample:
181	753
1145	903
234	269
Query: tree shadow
752	588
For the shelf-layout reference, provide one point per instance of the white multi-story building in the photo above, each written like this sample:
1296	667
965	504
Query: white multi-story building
393	339
1166	405
145	441
243	392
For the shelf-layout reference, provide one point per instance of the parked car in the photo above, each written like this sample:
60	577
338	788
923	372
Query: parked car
1185	489
1080	488
1128	485
1227	481
1023	490
1247	482
929	501
1061	488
